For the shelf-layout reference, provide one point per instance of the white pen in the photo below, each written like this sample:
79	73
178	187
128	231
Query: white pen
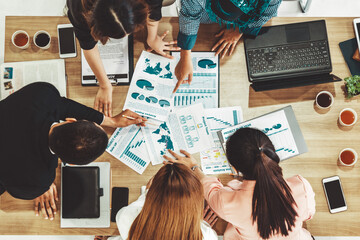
132	118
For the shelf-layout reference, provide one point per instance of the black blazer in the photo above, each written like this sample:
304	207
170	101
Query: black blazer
27	167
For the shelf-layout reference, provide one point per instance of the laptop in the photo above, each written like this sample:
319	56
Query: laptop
289	55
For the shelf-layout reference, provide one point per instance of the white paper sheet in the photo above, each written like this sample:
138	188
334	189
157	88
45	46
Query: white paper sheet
190	130
128	146
158	140
213	160
276	127
151	87
15	75
115	58
204	87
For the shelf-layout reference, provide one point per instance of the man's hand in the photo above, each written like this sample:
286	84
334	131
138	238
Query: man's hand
184	69
187	160
159	45
229	39
103	100
47	203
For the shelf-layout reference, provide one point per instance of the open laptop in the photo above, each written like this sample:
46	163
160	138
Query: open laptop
289	55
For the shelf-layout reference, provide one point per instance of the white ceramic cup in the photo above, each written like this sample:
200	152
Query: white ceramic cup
15	34
328	93
351	110
35	36
351	150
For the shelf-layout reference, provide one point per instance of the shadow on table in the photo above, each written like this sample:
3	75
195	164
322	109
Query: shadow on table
288	95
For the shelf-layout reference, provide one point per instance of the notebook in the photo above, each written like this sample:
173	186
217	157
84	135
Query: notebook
289	55
81	192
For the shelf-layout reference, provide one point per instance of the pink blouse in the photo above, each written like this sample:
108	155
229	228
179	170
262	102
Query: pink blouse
233	204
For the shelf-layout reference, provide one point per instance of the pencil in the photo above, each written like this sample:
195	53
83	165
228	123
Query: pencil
132	118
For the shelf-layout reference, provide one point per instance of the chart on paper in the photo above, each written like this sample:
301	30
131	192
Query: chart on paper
204	87
213	160
151	87
158	141
276	127
128	146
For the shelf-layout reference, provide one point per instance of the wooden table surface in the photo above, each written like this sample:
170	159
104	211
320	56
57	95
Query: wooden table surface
322	133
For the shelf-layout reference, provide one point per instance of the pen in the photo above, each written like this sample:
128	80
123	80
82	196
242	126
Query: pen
132	118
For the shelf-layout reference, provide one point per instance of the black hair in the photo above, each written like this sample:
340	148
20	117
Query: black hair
79	143
251	152
114	18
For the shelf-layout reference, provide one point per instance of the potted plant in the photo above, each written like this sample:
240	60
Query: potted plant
352	86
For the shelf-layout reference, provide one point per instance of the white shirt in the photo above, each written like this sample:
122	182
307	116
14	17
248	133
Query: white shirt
126	216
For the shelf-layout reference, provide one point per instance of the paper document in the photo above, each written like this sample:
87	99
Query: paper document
204	87
15	75
151	87
190	130
115	58
158	140
128	146
213	160
275	125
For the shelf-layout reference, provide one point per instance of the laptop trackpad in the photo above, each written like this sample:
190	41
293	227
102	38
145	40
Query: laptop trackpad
297	33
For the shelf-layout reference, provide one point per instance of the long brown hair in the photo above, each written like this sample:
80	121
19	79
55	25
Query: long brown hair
173	207
251	152
114	18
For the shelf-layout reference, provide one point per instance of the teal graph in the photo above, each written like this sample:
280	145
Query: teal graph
133	146
157	70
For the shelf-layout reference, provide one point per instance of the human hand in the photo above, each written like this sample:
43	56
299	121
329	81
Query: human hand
184	70
229	39
209	216
103	100
127	118
158	45
187	160
47	203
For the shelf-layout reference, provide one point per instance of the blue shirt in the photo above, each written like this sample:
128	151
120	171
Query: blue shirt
193	13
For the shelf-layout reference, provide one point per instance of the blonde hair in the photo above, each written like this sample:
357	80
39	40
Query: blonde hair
173	207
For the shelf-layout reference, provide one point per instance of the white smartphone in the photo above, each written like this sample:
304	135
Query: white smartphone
357	30
334	194
67	42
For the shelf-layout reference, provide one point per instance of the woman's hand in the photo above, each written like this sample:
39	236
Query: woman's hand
229	39
184	69
187	160
209	216
103	100
159	45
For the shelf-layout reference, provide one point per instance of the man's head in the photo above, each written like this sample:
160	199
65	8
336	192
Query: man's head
77	142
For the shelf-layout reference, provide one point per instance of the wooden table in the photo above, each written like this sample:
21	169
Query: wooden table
323	136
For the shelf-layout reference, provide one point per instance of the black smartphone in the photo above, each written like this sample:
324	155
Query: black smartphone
119	199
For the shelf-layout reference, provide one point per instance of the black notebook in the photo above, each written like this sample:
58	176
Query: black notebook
81	192
348	48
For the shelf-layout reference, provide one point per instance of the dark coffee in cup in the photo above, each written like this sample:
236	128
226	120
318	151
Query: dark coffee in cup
42	40
324	99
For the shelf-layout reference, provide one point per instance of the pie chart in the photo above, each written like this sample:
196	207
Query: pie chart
206	63
144	84
164	103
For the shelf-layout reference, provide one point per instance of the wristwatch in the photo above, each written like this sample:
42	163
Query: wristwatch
194	167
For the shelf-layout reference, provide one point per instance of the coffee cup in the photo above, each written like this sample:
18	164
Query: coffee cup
42	39
348	157
324	100
347	117
20	39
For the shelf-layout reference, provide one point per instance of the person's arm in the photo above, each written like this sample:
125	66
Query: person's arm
47	203
310	199
103	99
189	22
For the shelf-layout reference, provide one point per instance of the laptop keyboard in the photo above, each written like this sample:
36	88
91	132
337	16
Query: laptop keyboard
289	59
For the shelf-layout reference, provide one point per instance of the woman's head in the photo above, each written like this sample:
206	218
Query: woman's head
248	146
251	152
114	18
173	207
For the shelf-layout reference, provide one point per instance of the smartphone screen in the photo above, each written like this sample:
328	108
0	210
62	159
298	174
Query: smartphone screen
358	28
119	199
334	194
66	40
